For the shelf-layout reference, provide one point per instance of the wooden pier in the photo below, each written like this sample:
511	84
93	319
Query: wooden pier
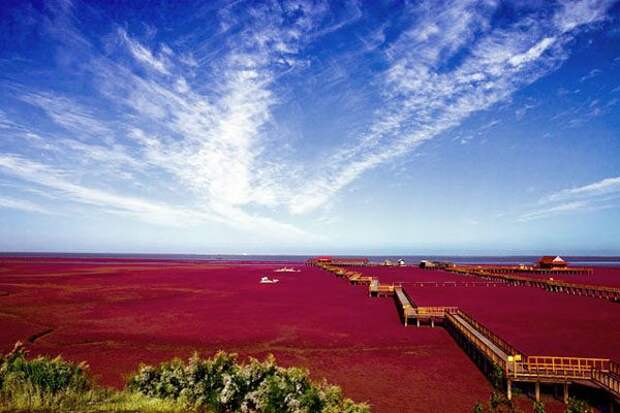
517	367
522	269
557	286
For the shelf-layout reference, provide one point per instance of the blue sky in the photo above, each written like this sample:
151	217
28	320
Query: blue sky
457	127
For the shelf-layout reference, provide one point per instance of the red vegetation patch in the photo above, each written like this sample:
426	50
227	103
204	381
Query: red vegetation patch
117	313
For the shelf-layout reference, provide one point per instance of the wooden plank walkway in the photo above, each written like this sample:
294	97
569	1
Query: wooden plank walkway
595	291
517	367
457	319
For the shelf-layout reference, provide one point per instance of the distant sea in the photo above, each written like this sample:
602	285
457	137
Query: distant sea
410	259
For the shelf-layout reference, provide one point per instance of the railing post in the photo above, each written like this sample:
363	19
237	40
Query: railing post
509	389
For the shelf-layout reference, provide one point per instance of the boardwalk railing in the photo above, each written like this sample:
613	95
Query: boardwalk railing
375	288
487	332
406	307
568	368
438	312
478	342
609	380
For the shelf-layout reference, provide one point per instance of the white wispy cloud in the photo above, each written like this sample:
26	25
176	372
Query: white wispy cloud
22	205
591	74
220	150
423	101
45	176
597	189
554	210
144	55
69	114
211	143
598	195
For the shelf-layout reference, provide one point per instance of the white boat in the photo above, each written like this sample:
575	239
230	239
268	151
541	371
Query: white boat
286	269
266	280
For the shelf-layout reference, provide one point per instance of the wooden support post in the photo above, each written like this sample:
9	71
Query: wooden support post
537	391
509	390
432	323
611	406
565	393
417	321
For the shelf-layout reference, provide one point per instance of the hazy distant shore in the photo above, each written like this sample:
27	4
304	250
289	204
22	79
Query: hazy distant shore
410	259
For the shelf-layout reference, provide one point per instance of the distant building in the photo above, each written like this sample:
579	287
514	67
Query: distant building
427	264
322	259
401	262
387	263
549	261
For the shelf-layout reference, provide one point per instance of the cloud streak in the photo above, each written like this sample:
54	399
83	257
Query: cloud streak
604	187
42	175
602	194
22	205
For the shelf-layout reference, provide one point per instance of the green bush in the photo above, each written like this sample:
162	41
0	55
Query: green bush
497	376
223	385
498	403
539	407
214	385
577	406
41	383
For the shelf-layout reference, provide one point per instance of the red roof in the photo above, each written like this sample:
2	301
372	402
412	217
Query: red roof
550	259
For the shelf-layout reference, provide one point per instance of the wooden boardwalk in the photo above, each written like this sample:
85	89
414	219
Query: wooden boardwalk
483	342
516	366
557	286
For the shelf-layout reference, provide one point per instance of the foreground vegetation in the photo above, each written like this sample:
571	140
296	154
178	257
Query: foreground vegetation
498	403
218	384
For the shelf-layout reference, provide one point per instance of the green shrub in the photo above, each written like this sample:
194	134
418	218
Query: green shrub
222	384
218	384
539	407
498	403
497	376
577	406
41	383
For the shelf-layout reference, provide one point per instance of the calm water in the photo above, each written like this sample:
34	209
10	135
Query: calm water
412	259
